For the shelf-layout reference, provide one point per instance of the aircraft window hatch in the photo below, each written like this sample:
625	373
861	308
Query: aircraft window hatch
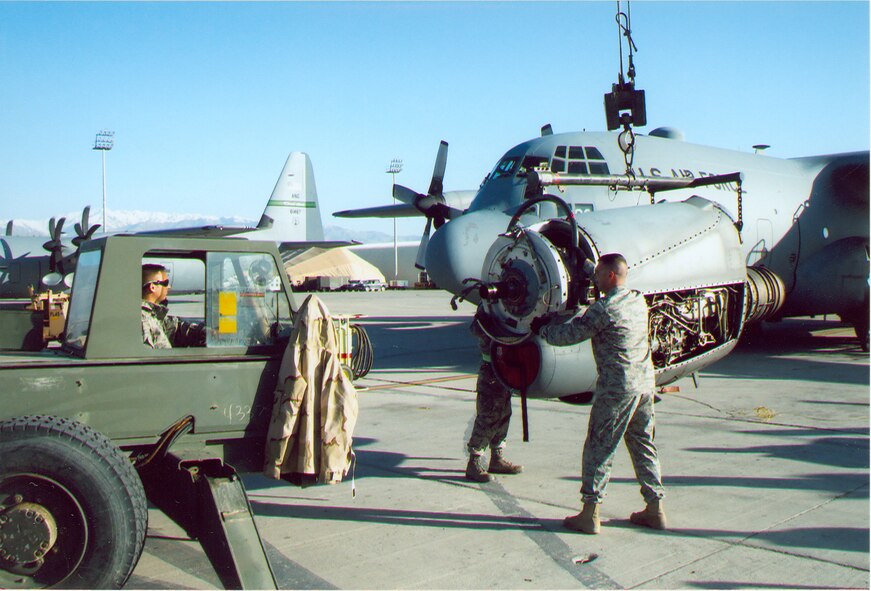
593	153
576	167
600	168
579	160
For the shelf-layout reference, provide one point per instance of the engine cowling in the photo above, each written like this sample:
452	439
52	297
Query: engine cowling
684	257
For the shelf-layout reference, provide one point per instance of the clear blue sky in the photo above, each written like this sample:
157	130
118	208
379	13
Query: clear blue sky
207	99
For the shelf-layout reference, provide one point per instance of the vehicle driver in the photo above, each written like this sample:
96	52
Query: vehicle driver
159	329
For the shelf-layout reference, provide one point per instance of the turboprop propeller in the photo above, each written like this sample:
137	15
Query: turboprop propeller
437	205
59	255
433	204
83	231
55	245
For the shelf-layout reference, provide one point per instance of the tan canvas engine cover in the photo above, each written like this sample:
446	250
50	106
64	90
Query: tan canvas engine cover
315	403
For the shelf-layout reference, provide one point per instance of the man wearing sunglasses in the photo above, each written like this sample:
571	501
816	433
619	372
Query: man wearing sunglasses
159	329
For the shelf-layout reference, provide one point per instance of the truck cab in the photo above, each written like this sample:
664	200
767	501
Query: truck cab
91	428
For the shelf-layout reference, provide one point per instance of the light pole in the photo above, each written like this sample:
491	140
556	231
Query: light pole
104	142
394	168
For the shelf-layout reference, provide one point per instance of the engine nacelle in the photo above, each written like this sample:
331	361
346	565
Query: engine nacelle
684	257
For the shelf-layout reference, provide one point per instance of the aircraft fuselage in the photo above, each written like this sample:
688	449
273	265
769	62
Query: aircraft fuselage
804	219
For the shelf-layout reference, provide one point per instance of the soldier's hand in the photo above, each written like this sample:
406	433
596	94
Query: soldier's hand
538	323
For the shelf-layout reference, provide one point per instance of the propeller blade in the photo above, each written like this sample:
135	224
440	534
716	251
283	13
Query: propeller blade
59	228
436	186
51	223
420	260
404	194
83	231
9	228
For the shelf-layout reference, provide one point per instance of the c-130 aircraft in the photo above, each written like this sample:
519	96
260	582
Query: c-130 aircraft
715	239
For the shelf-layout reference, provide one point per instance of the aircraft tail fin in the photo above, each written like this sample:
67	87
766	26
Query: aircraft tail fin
292	213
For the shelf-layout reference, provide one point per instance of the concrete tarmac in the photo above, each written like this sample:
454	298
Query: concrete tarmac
766	468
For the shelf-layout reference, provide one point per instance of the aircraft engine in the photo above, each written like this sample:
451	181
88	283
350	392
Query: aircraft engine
685	257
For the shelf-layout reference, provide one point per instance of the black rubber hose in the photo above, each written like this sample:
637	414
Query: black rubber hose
363	354
570	216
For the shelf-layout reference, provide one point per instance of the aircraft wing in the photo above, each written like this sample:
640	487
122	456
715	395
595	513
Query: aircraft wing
282	246
201	232
399	210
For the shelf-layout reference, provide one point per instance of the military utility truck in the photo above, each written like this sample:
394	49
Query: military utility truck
95	428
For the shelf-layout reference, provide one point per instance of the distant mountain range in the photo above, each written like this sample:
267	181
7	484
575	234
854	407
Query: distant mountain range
138	221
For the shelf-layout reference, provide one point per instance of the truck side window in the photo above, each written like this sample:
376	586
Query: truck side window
246	304
182	313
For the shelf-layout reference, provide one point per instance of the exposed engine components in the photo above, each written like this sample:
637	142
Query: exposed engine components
685	323
685	257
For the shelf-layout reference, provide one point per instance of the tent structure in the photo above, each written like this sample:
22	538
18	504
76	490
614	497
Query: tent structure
333	262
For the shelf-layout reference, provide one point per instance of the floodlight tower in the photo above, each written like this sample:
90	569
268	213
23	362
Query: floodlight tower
394	168
104	142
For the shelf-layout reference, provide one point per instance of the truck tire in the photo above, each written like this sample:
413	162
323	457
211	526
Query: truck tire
73	512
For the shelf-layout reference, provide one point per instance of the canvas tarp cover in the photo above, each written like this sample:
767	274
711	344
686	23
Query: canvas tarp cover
333	262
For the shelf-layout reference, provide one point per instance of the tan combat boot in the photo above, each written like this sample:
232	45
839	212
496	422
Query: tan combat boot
499	465
587	521
475	469
653	516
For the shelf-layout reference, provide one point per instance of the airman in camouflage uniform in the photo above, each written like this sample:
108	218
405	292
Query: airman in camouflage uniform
493	415
159	329
623	403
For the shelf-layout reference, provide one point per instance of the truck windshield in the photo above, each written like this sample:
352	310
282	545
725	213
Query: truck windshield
82	299
246	304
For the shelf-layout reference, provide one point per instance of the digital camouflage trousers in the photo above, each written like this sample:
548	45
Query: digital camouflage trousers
493	412
616	416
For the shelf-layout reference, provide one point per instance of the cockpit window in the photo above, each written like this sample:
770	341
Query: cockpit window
579	160
505	167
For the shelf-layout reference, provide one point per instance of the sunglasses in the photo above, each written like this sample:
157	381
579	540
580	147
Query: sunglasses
164	283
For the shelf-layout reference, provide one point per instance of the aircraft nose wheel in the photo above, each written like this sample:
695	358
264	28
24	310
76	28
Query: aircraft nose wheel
34	509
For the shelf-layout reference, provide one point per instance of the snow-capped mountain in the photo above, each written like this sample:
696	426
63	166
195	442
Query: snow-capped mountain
138	221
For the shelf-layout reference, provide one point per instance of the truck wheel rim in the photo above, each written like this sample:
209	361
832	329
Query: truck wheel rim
43	528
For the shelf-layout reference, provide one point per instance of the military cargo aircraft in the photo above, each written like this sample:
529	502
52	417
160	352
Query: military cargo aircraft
291	218
800	244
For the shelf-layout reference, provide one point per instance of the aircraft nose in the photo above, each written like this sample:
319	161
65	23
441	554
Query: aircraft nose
457	250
